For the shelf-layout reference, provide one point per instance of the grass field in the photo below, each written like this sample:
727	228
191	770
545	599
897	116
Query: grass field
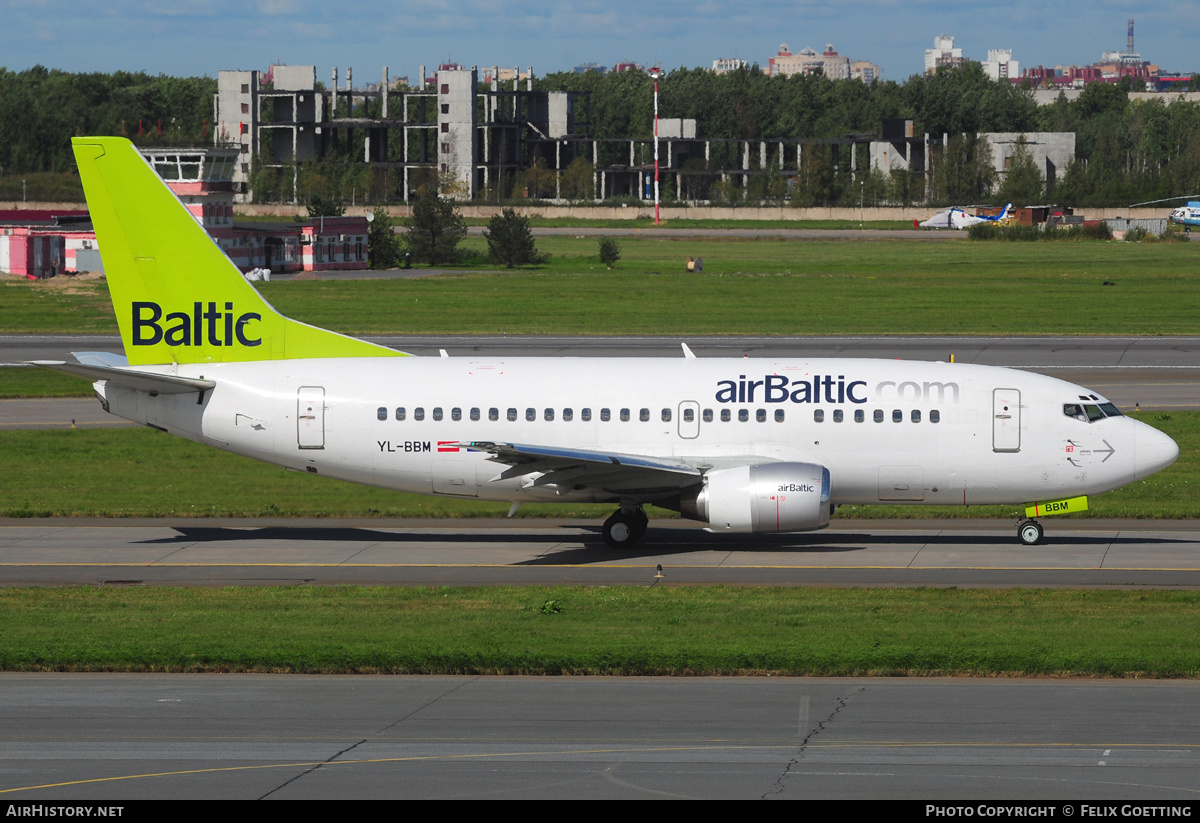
755	286
143	473
590	631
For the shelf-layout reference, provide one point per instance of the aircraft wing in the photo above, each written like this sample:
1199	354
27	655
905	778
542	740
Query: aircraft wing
129	378
577	469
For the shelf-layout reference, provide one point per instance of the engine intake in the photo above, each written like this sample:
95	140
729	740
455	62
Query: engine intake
769	497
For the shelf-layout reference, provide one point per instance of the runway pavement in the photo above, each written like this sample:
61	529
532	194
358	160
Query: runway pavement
71	738
216	552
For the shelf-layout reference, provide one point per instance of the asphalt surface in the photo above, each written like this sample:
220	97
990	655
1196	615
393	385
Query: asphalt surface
69	739
227	552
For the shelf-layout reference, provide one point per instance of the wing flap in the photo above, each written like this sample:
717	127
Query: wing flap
584	468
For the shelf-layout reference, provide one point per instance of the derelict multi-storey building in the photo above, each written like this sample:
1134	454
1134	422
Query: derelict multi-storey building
468	138
473	140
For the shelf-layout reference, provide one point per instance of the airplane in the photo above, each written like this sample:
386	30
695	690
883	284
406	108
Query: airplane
956	218
745	445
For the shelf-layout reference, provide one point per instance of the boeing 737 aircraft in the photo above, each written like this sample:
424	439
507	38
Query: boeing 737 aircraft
768	445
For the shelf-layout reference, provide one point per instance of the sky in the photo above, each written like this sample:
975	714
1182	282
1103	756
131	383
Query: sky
202	38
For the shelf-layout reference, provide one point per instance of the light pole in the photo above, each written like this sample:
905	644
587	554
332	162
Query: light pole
654	72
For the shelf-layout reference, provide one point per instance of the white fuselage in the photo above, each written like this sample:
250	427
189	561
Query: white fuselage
888	431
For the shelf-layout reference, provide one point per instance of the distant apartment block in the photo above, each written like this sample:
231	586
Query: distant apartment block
943	53
724	65
829	63
865	71
1000	65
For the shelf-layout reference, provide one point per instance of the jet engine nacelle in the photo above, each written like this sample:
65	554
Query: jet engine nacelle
769	497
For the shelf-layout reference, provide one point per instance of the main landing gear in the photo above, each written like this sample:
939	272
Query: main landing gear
625	527
1030	532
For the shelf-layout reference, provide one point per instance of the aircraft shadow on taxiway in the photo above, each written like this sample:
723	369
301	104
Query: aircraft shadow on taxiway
659	540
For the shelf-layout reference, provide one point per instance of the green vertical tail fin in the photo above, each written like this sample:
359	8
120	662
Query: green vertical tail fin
177	297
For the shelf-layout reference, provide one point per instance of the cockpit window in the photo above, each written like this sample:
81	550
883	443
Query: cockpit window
1090	412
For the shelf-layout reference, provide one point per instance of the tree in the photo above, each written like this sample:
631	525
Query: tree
383	246
435	230
579	180
610	251
509	240
963	172
1022	180
322	206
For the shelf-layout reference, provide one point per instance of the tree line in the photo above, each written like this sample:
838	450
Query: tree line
42	109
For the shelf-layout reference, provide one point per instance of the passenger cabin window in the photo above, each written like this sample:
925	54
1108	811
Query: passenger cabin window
512	415
456	413
399	412
707	415
530	415
837	415
779	415
725	416
689	415
743	415
878	415
666	415
916	415
493	414
585	415
437	412
605	415
624	415
818	415
568	415
419	413
859	416
475	413
549	415
644	415
381	413
935	416
760	415
897	416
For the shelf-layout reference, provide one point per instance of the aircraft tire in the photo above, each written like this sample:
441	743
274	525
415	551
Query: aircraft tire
640	522
622	530
1030	532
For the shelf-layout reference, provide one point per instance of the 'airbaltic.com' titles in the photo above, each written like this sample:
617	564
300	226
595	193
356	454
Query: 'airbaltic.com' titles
743	445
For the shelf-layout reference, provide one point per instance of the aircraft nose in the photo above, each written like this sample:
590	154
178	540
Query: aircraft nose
1153	451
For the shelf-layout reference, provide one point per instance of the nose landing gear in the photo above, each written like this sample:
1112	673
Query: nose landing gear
1030	532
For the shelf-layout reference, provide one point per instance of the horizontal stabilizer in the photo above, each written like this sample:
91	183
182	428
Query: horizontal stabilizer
101	358
130	379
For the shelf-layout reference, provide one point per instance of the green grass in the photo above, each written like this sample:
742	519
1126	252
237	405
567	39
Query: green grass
19	381
611	631
143	473
763	286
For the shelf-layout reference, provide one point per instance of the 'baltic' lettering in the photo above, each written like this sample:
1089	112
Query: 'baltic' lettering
205	326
